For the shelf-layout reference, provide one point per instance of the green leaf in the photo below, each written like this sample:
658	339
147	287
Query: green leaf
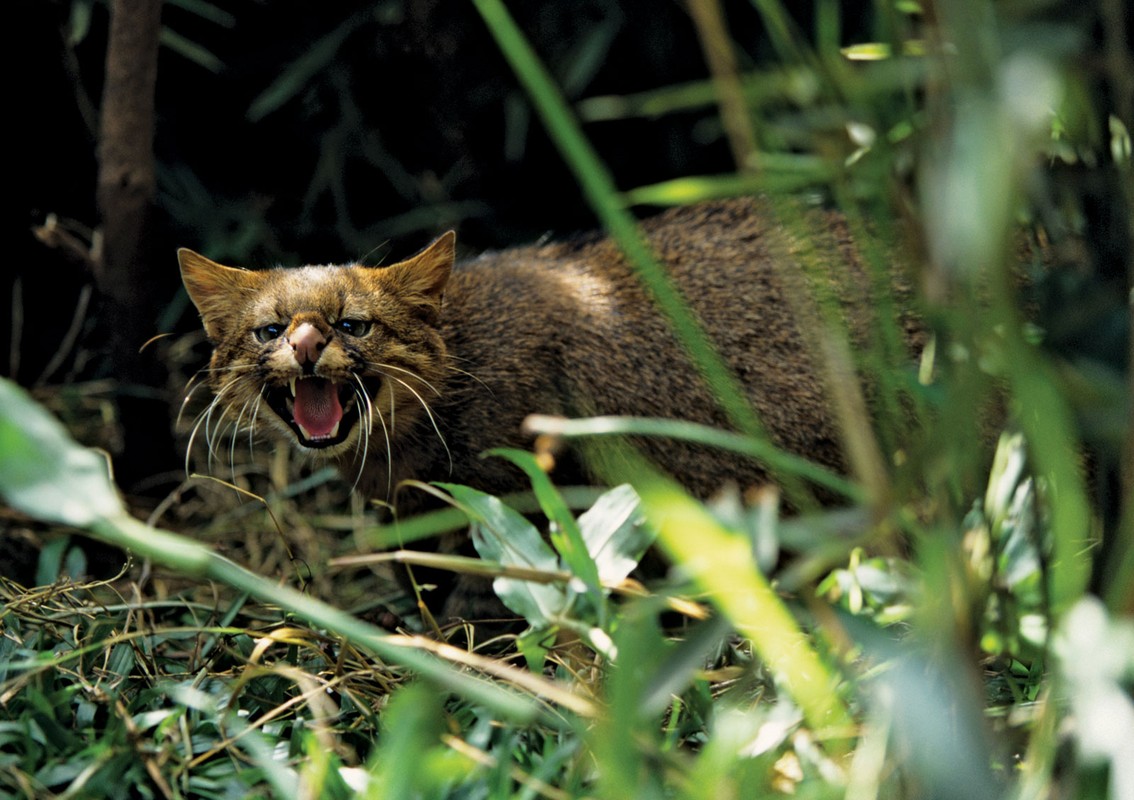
763	451
616	533
121	661
534	646
50	564
586	58
501	534
615	740
880	51
412	725
423	526
779	173
206	11
43	473
565	534
293	79
198	54
79	24
674	668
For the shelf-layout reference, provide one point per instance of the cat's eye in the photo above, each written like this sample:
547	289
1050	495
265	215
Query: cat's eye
266	333
353	327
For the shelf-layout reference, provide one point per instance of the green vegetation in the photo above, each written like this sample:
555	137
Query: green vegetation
958	624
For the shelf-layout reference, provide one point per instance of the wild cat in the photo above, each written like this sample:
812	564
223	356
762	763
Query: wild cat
413	370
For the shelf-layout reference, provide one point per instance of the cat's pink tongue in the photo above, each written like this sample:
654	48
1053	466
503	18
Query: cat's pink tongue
317	407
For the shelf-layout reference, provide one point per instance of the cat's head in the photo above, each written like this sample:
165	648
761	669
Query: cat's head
327	355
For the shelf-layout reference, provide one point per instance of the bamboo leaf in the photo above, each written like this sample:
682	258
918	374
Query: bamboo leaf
761	450
779	172
296	77
207	11
198	54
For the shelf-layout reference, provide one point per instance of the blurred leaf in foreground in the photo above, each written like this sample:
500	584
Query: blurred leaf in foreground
43	473
1096	660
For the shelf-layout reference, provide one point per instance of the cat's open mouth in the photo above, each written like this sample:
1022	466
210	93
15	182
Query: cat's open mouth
321	412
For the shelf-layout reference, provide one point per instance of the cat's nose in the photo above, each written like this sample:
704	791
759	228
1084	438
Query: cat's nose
307	343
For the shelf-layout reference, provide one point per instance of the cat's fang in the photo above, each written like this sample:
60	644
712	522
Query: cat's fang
291	385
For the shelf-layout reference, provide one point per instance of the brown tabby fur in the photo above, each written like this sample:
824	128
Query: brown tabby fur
457	356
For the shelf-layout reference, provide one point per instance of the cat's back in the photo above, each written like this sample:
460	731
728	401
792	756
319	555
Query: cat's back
724	256
568	328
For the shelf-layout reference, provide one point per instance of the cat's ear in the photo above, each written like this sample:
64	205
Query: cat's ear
215	290
422	279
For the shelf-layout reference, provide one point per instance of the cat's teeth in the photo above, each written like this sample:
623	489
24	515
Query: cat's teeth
308	437
291	384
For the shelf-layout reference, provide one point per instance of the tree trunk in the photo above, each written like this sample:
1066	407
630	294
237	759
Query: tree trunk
126	190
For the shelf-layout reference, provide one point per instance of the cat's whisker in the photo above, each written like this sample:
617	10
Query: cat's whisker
189	446
252	427
360	401
212	429
207	420
468	374
452	367
251	401
228	368
447	366
389	450
410	372
190	389
214	432
365	398
364	430
371	412
232	442
432	419
223	434
193	385
365	257
204	417
393	417
216	422
201	420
